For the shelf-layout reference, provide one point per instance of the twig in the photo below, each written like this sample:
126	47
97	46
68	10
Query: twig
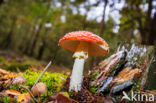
29	93
41	74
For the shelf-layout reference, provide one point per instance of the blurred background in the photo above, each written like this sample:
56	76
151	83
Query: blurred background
32	28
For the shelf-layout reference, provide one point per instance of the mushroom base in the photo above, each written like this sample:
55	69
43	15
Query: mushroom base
77	75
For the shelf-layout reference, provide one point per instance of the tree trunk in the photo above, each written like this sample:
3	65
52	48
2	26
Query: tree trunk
146	30
33	46
103	18
149	38
84	22
152	37
42	48
8	39
1	2
28	42
26	49
95	59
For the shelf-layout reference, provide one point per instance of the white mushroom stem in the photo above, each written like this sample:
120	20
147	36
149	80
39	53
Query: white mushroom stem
80	56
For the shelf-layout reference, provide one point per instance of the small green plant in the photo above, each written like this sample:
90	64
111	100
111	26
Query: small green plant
94	75
93	89
14	87
71	93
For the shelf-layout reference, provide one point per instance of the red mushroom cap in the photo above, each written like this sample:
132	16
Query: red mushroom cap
97	46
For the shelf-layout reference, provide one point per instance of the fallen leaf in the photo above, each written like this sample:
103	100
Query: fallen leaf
59	98
7	76
4	72
10	92
24	98
18	80
13	92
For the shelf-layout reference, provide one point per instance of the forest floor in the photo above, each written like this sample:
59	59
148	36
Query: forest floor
105	83
18	63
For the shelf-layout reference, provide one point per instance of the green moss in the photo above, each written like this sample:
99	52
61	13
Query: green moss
44	97
93	89
13	67
2	59
65	94
71	93
52	80
14	87
93	76
137	85
7	100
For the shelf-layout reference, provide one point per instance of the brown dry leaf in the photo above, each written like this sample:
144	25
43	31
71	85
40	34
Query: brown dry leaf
34	68
10	92
18	80
7	79
24	98
13	92
8	76
4	72
126	75
59	98
3	93
8	82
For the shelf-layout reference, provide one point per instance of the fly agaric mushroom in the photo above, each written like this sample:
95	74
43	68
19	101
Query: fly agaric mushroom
84	44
